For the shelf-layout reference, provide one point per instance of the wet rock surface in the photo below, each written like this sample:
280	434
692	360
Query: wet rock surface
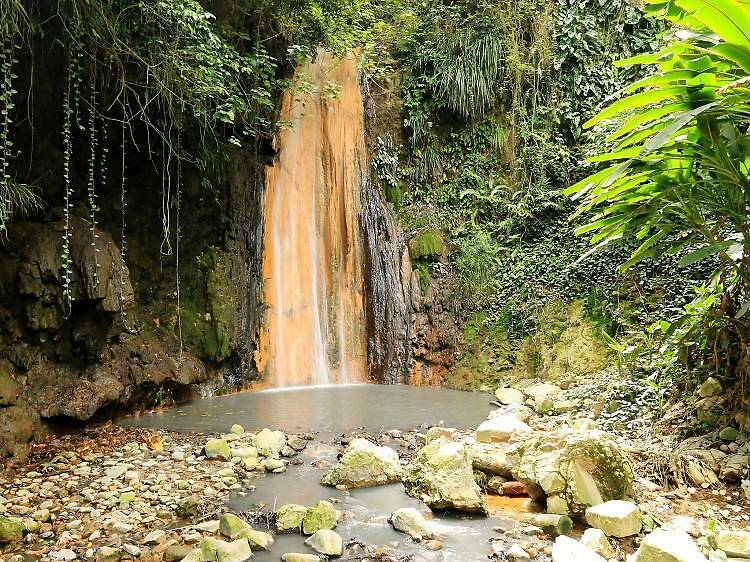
364	464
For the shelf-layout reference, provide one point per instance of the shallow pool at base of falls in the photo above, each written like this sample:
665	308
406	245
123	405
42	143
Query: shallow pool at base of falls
331	411
328	410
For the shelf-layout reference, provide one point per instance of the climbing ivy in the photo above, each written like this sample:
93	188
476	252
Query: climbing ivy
494	93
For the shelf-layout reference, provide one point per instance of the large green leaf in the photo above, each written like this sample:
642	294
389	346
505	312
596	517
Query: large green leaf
739	54
645	117
663	79
729	19
635	101
705	252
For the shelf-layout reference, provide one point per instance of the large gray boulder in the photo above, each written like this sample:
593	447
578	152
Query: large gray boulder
573	469
566	549
441	476
509	395
269	443
326	542
491	458
734	543
364	464
408	520
499	429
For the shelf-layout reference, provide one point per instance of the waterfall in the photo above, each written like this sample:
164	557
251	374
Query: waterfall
314	328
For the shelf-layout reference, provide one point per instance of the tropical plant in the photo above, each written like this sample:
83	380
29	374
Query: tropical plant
677	176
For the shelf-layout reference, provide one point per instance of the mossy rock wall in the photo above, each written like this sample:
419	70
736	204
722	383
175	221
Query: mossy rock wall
207	316
567	345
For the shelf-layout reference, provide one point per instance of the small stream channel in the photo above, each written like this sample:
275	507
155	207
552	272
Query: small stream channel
330	411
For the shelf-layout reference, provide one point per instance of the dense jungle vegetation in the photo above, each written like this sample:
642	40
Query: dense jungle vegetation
502	106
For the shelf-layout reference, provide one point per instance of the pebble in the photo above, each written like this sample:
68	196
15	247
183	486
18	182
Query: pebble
132	550
64	555
154	537
120	527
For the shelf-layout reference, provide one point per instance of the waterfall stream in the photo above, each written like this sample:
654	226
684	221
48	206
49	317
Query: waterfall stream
313	280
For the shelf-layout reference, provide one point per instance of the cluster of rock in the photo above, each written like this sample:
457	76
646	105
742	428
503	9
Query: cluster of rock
542	397
581	473
125	498
44	342
123	501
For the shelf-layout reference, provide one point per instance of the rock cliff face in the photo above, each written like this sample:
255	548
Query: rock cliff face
70	357
149	329
120	339
436	331
412	331
388	290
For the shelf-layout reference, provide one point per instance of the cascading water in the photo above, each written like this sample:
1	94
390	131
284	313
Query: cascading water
313	281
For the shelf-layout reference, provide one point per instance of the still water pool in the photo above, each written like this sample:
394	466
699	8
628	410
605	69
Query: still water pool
331	411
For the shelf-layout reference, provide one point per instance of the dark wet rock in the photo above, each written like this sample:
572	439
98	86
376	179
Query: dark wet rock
19	424
387	287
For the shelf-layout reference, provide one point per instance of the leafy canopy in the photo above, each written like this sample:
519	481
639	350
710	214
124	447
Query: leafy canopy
677	171
677	176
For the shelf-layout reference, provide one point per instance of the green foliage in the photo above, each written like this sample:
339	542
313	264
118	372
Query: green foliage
14	20
386	167
589	36
677	175
423	275
477	260
493	96
465	65
173	52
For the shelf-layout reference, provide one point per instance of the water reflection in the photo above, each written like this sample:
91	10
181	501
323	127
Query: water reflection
330	410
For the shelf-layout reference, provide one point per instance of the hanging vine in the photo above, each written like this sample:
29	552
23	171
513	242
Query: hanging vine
178	195
14	196
6	144
166	191
123	213
92	197
67	156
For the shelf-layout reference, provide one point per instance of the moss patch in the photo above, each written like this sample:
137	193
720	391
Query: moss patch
427	246
567	345
486	353
206	314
